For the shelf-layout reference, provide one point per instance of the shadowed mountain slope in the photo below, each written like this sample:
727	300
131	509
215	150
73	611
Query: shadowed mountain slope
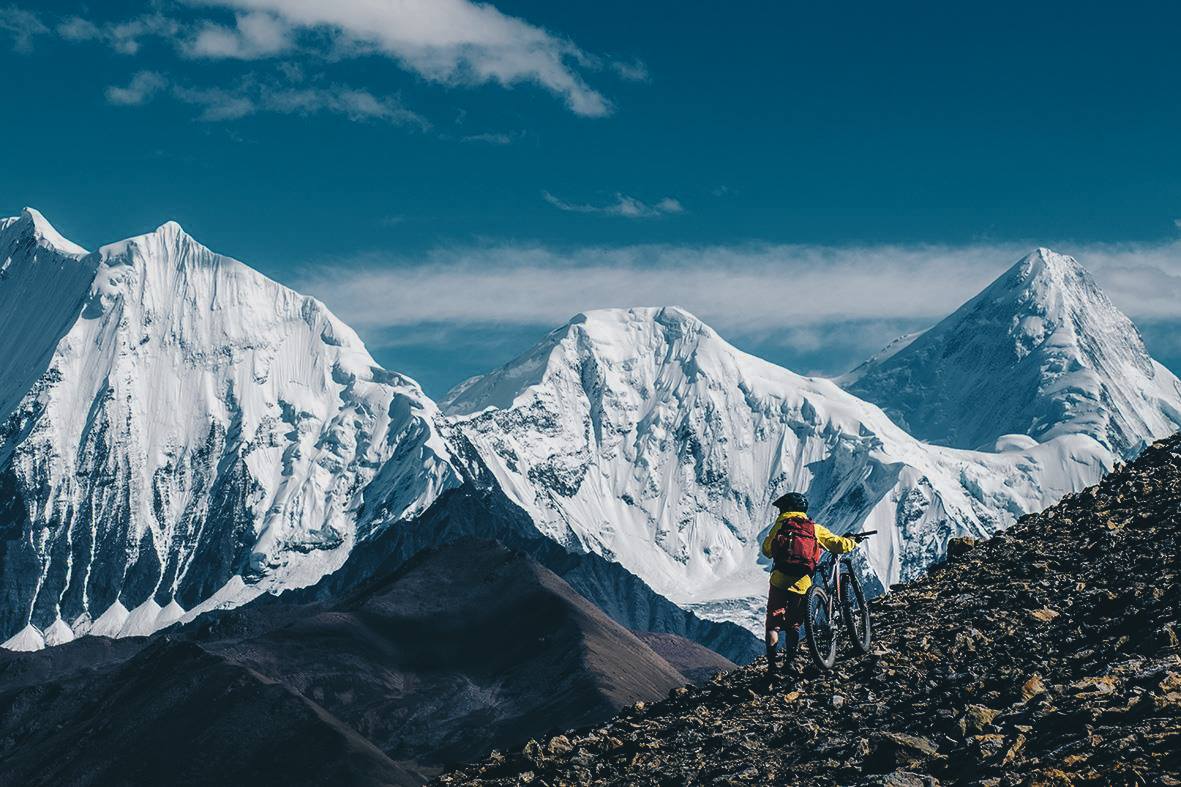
463	649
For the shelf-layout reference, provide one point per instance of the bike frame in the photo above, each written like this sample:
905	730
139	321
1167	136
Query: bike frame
832	583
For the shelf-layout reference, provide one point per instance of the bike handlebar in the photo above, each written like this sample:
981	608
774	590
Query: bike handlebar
863	536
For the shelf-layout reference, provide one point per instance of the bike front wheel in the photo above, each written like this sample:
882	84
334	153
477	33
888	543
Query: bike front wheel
820	628
855	612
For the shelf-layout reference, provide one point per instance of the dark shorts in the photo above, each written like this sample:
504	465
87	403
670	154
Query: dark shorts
784	609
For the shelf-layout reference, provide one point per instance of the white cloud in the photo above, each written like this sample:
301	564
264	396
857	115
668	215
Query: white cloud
126	37
23	26
353	103
142	88
449	41
805	297
216	103
255	35
252	96
445	41
75	28
635	71
489	138
625	206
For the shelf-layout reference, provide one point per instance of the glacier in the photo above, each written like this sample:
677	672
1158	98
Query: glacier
180	434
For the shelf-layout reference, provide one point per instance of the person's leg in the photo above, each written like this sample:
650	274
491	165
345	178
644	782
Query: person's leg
793	618
776	612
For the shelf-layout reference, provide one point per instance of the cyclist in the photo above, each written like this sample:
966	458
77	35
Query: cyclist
795	556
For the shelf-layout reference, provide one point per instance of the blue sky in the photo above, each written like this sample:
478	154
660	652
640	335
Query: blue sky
418	164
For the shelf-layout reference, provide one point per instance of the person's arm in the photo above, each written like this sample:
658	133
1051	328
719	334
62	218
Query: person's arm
770	537
832	542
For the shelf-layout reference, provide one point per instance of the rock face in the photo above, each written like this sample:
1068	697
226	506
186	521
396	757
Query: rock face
642	436
463	649
1040	352
192	434
1047	655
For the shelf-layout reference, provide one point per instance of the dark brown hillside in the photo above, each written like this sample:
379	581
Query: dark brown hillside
1048	655
462	649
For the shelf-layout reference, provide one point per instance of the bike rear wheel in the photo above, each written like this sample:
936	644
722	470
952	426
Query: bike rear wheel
820	628
855	612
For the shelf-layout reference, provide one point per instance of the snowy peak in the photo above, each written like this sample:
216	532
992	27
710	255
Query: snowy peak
187	433
44	281
31	224
670	335
1042	351
643	436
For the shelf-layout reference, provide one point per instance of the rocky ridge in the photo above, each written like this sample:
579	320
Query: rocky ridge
1046	655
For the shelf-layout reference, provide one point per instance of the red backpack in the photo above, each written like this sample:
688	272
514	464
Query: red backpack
794	549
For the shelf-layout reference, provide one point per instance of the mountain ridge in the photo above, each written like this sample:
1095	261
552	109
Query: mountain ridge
1040	351
191	389
201	435
642	435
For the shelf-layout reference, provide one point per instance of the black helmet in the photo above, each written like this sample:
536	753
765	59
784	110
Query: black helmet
792	501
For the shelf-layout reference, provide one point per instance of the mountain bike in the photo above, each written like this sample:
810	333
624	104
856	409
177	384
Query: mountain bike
840	589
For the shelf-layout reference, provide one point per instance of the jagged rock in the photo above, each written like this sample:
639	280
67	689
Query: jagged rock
976	719
1032	687
960	546
1043	615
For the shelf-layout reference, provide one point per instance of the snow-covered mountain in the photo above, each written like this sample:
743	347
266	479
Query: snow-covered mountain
179	433
1040	352
182	432
643	436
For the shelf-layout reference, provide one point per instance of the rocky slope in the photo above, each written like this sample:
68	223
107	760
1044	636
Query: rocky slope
462	649
1046	655
1041	352
643	436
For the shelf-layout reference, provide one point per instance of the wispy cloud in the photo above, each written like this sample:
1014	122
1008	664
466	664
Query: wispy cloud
22	26
625	206
252	96
254	36
142	88
448	41
490	138
806	297
634	71
453	42
124	37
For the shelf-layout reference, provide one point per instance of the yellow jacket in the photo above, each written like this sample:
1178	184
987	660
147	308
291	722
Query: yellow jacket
827	539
